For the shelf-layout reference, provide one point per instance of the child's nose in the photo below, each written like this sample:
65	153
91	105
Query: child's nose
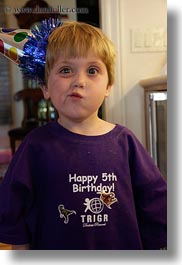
80	80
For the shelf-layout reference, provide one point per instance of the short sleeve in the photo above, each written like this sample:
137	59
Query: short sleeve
15	198
150	192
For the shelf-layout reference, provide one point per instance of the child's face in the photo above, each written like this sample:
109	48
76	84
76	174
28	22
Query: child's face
77	87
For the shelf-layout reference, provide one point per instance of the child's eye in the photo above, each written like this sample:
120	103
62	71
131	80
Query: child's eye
65	70
92	71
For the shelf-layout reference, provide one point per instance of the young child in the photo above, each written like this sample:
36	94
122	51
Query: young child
82	183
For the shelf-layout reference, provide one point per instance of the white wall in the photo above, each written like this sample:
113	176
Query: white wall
132	67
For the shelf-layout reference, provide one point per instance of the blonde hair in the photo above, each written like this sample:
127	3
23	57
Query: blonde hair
75	39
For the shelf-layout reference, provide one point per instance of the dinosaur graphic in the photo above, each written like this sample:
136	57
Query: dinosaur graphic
64	213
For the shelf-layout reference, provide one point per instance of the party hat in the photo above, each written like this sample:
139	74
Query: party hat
27	48
12	42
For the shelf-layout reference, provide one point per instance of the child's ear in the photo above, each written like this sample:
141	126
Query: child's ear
108	90
45	91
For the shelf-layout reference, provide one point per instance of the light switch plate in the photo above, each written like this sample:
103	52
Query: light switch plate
148	40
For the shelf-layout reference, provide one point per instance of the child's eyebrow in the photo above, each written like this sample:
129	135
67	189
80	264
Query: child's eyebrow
73	62
63	62
95	62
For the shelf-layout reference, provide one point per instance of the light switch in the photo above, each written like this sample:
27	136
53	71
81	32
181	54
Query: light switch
148	40
138	39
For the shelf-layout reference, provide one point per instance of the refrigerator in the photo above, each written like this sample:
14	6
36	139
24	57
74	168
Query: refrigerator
156	128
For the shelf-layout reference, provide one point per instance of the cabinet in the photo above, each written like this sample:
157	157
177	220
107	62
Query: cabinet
155	102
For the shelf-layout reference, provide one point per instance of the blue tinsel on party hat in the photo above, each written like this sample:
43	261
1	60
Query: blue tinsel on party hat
27	48
33	61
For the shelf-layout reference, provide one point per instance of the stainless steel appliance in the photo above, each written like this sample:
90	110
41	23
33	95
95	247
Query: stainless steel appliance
156	120
157	128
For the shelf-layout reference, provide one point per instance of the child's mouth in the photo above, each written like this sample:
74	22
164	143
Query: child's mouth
75	95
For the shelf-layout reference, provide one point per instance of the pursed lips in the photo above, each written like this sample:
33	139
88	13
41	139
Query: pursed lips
75	95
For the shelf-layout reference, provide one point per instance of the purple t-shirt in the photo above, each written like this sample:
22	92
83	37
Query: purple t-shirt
68	191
